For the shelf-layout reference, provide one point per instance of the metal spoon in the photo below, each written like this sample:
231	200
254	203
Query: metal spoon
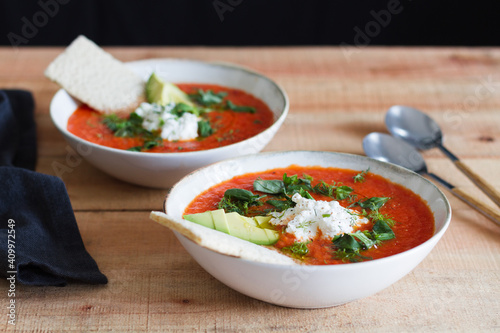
421	131
387	148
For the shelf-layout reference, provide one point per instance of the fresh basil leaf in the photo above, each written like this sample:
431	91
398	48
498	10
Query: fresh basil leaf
132	127
324	189
343	192
111	121
204	128
304	194
240	194
351	256
151	143
238	200
135	119
180	108
289	180
348	248
208	98
295	180
364	239
239	108
284	189
125	127
148	144
382	231
274	186
280	205
373	203
346	242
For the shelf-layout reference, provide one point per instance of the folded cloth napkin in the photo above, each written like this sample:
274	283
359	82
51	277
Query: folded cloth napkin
39	239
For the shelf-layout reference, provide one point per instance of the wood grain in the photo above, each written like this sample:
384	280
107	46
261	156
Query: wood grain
481	182
485	209
337	97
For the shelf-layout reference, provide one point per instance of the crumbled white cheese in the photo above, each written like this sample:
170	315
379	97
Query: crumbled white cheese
308	217
184	127
173	128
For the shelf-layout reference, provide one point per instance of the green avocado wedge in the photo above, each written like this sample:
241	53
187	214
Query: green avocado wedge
163	93
204	219
220	221
234	224
263	222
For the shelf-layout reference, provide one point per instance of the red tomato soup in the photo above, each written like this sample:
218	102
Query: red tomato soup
229	126
412	217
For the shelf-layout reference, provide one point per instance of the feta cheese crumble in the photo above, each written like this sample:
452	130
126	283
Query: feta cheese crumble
308	217
172	127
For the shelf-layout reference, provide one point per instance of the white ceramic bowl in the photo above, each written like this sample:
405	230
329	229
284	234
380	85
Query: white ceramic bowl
304	286
164	169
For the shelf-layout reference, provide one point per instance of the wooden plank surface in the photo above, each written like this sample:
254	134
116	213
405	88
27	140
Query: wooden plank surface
337	96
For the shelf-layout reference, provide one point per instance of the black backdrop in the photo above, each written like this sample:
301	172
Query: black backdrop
251	22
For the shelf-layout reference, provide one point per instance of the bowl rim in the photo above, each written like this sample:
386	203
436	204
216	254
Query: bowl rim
224	65
348	266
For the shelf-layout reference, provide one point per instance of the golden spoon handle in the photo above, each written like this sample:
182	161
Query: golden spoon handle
480	206
489	190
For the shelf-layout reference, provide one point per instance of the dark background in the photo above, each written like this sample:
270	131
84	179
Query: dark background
251	22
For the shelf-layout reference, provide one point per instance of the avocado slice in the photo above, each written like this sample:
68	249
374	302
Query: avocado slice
273	235
246	228
234	216
234	224
220	221
263	222
204	219
163	93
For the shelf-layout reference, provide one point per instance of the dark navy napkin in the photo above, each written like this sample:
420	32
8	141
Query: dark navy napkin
39	237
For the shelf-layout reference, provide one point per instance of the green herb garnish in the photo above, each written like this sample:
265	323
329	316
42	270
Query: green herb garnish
280	205
204	128
337	192
126	127
382	231
238	200
132	127
373	203
360	177
348	246
298	249
377	216
283	190
269	186
180	108
343	192
216	101
239	108
208	98
304	224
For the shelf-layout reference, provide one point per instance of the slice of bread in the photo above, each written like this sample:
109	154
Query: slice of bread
222	243
95	78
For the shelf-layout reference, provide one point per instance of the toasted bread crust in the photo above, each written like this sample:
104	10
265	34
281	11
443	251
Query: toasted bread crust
220	242
95	78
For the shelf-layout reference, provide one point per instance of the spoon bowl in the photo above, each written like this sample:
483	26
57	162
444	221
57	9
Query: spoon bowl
384	147
414	127
422	132
387	148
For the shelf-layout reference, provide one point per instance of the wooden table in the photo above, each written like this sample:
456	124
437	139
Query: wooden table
337	96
